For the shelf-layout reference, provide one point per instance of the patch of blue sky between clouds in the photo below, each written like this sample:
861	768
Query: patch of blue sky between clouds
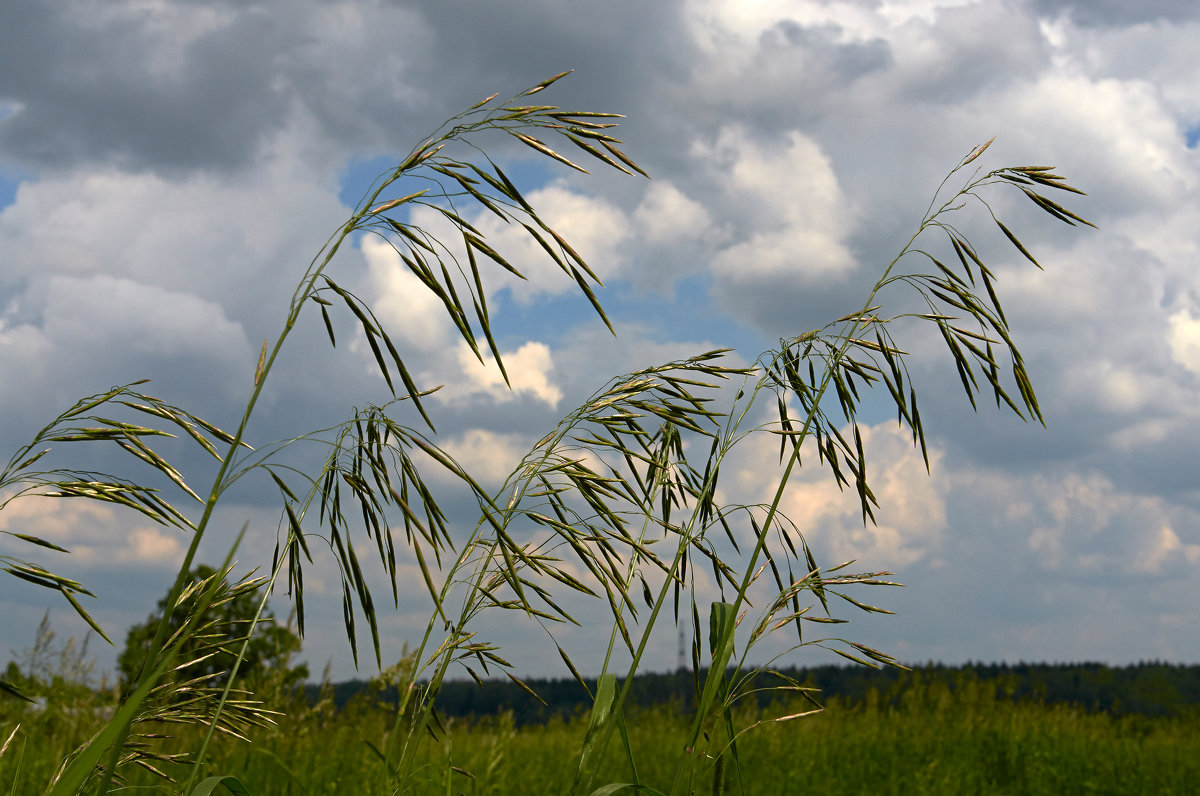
8	189
10	179
688	315
361	173
1192	136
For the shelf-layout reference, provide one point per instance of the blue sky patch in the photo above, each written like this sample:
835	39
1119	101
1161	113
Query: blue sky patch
8	190
687	315
359	174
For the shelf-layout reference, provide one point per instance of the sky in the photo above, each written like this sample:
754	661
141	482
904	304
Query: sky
168	168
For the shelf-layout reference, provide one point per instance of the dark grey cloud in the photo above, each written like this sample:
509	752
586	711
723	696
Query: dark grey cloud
520	43
819	47
1115	13
119	88
788	79
193	86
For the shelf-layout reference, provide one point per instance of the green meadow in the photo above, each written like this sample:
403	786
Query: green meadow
960	734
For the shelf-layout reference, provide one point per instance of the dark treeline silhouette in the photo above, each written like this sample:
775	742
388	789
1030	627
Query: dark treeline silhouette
1148	688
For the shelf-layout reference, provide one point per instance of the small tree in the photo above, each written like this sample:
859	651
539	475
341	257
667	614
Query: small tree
271	647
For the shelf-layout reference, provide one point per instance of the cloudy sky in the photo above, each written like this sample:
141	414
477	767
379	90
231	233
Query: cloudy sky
168	168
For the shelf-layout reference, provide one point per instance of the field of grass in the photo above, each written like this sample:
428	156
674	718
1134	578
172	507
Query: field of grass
922	738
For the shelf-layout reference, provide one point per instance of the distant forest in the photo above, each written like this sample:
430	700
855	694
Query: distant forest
1150	688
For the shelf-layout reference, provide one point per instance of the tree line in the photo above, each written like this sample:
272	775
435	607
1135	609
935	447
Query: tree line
1149	688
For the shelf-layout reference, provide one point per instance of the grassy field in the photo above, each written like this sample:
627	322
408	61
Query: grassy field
923	738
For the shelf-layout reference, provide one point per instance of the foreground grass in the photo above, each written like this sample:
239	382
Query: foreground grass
922	738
